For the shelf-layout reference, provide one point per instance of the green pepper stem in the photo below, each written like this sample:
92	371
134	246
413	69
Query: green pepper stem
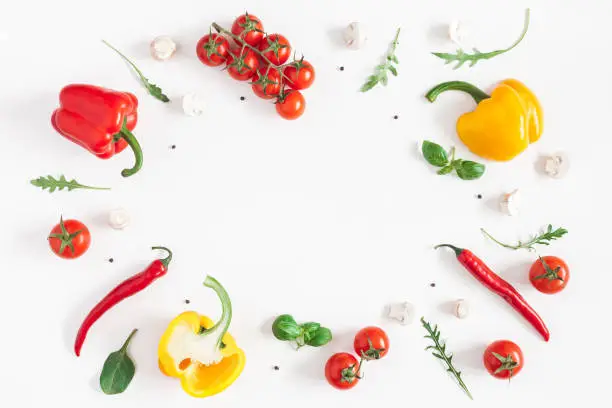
226	308
466	87
127	341
131	140
458	251
167	259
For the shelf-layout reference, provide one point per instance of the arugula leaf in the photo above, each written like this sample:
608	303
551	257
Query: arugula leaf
53	184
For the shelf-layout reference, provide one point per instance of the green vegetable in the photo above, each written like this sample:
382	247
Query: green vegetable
439	351
53	184
543	238
381	70
153	89
437	156
312	334
461	57
118	370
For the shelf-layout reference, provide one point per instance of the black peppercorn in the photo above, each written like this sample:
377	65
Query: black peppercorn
479	196
341	68
111	260
433	285
173	146
395	117
242	98
187	301
276	368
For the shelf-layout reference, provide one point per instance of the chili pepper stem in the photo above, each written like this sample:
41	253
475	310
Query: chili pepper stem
127	341
226	308
166	260
131	140
458	251
463	86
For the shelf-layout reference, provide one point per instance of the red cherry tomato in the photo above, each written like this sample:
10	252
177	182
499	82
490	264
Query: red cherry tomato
300	74
342	371
276	48
242	64
69	239
549	274
371	343
291	105
267	83
249	28
212	49
503	359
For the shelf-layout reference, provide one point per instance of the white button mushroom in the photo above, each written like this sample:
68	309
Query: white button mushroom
118	218
402	312
461	309
193	105
557	165
509	203
355	35
162	48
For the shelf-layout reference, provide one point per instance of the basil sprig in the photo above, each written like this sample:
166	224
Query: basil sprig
285	328
437	156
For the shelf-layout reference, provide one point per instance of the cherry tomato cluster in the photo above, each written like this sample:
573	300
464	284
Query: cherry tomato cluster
343	371
250	54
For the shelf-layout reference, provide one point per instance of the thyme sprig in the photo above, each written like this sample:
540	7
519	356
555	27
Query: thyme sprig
380	76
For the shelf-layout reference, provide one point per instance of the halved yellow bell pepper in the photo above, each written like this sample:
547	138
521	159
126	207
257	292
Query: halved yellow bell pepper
503	124
200	353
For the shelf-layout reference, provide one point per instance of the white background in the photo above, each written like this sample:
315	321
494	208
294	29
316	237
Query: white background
328	218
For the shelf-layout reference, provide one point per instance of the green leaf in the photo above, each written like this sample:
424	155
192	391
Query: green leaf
445	170
153	89
309	329
469	170
381	69
321	337
392	69
285	328
434	154
371	83
53	184
541	239
118	370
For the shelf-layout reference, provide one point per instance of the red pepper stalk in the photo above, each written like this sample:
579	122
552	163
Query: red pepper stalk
125	289
99	119
496	284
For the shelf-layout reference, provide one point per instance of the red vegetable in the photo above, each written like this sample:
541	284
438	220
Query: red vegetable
290	105
99	119
503	359
249	28
125	289
275	48
268	83
371	343
301	74
212	49
491	280
242	64
69	239
549	274
342	371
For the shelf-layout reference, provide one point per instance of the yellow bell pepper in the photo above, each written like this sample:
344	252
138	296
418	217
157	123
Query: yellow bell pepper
503	124
201	354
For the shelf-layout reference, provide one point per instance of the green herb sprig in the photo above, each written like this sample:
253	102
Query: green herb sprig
380	76
461	56
118	370
439	351
437	156
543	238
153	89
53	184
311	334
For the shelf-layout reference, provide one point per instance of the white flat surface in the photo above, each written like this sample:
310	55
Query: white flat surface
328	218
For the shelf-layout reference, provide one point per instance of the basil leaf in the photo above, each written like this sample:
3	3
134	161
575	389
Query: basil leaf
434	154
320	338
309	329
118	370
445	170
469	170
285	328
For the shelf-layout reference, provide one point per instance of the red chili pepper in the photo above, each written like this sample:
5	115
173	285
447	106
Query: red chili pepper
99	119
495	283
125	289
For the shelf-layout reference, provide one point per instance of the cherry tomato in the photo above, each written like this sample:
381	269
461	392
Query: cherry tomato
549	274
212	49
242	64
300	74
291	104
249	28
342	371
267	83
276	48
503	359
69	239
371	343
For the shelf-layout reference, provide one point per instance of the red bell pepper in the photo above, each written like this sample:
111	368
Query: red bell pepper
100	120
